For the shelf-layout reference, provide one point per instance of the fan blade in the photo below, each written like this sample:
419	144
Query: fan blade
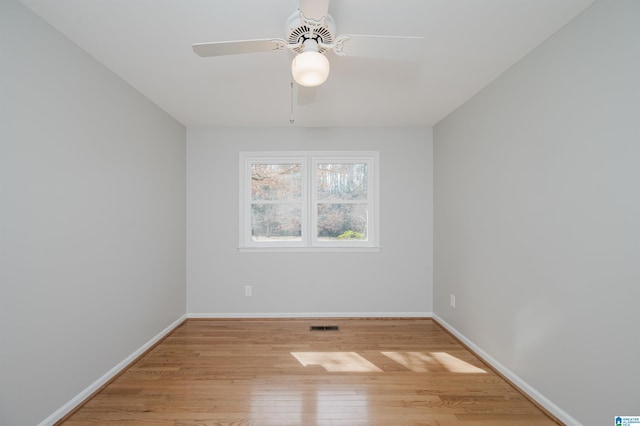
306	95
221	48
314	9
386	47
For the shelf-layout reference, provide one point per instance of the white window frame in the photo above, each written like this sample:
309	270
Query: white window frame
309	202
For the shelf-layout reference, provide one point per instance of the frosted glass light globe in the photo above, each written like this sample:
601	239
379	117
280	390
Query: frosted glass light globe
310	68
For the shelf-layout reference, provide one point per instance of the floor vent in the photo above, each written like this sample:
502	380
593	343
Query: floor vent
324	328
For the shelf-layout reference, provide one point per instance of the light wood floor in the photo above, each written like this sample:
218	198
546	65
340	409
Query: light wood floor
277	372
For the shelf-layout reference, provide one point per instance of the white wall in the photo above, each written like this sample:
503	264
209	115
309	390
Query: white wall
537	216
396	280
92	219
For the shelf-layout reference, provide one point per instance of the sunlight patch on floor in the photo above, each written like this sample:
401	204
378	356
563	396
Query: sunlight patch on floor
414	361
421	363
344	362
455	365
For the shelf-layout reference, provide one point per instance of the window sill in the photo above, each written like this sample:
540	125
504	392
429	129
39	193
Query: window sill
308	249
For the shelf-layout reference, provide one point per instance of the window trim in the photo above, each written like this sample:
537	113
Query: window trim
309	202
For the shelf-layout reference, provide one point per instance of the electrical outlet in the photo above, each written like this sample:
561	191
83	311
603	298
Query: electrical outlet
452	300
248	290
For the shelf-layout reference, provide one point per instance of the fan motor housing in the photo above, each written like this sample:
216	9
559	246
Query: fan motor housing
299	30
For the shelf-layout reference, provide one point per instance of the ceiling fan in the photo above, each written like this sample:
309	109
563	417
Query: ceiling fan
310	33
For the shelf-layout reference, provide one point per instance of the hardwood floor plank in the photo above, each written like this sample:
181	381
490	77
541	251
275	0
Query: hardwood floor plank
278	372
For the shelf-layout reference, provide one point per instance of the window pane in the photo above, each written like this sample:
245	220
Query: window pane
276	181
337	181
342	222
276	222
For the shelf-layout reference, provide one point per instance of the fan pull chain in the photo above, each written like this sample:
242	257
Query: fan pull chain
291	119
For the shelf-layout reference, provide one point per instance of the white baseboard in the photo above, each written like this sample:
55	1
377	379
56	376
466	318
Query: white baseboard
78	399
511	376
311	315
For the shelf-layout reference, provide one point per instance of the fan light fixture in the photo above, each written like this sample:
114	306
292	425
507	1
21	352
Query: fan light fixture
310	34
310	68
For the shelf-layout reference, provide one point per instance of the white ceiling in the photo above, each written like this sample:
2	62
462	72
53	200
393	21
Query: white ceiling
468	43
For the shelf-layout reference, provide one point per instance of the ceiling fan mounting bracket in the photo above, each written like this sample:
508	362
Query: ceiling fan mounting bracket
313	23
338	45
280	44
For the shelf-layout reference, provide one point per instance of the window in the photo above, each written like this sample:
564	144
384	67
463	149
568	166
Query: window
309	200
